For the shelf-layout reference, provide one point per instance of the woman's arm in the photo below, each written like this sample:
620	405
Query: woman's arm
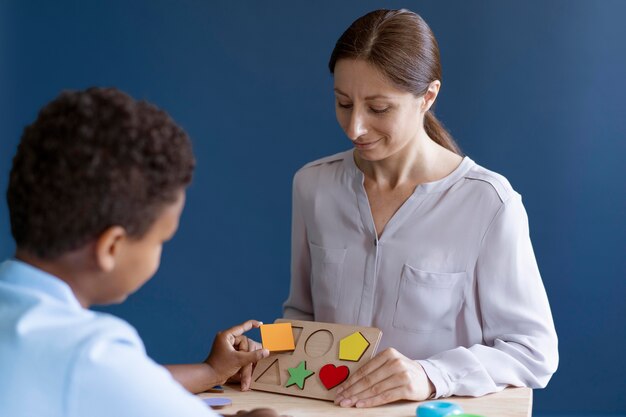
520	342
299	304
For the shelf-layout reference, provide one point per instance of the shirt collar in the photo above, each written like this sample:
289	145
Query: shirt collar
27	276
429	187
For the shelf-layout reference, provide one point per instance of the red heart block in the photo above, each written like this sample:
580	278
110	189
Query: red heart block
331	375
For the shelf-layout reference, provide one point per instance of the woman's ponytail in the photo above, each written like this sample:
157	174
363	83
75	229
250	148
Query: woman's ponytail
437	132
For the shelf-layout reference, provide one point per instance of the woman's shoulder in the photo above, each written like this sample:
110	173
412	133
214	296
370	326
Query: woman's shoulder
328	173
490	182
323	165
327	160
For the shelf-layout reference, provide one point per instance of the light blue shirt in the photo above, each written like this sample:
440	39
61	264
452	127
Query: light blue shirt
59	359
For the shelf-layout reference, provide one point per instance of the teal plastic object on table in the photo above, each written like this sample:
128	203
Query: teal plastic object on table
438	409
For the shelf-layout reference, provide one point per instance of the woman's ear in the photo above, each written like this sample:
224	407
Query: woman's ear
108	246
431	95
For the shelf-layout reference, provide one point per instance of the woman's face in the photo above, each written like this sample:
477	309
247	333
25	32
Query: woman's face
379	119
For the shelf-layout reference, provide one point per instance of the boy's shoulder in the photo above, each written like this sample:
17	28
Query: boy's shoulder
44	337
39	306
106	327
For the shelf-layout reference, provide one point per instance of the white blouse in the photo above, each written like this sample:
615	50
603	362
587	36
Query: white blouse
452	282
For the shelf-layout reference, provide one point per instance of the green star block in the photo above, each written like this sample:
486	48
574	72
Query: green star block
298	375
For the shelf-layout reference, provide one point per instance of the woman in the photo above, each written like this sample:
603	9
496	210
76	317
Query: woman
404	234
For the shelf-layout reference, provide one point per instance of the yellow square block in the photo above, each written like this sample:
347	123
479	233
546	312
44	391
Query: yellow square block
277	337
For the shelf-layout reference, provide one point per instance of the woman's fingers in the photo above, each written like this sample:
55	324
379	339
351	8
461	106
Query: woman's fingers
362	377
364	383
385	397
392	388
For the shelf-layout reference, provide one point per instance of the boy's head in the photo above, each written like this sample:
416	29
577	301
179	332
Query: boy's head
97	165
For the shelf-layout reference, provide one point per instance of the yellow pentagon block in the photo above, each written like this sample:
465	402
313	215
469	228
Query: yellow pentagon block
352	347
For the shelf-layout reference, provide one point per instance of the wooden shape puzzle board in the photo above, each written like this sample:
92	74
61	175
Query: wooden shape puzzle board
317	344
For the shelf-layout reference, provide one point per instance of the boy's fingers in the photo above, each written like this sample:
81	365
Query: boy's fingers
246	377
240	329
254	344
245	345
252	357
242	343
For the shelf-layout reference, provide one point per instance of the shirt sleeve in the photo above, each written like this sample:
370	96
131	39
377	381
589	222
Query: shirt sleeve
114	377
519	340
299	304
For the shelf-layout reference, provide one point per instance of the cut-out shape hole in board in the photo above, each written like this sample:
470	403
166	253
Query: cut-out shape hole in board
319	343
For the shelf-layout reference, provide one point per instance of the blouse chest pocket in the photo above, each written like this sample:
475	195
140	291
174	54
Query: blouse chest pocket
326	273
428	302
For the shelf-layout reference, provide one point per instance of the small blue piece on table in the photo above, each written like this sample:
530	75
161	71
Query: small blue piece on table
217	402
438	409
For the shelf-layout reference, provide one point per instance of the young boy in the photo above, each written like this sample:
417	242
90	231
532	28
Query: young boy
97	186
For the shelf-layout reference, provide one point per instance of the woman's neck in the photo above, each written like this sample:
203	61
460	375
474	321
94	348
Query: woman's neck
420	161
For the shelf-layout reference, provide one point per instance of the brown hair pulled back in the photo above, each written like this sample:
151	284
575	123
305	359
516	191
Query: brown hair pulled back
401	45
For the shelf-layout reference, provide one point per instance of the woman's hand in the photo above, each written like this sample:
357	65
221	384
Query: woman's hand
387	377
232	352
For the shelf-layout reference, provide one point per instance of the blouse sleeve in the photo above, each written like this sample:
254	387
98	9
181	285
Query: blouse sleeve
519	340
299	304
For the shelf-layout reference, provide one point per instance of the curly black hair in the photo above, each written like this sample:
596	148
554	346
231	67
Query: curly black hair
91	160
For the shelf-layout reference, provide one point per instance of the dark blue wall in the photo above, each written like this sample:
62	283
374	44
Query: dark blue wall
534	90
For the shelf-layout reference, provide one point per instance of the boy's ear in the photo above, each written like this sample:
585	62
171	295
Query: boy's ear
108	246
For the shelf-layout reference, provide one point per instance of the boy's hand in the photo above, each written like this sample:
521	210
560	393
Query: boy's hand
244	376
232	351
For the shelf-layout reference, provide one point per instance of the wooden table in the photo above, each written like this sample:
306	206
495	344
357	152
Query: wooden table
512	402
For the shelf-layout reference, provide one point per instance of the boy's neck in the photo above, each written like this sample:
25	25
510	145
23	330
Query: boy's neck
70	268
